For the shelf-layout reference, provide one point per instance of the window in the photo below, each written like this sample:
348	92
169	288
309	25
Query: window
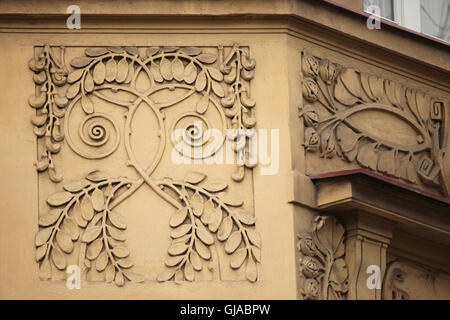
426	16
386	7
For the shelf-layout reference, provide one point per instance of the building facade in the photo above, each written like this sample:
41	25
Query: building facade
222	149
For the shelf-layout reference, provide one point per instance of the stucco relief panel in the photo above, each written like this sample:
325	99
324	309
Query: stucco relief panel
371	122
123	194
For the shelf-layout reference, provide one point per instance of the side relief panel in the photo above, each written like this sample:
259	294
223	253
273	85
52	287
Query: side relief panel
374	123
410	281
323	270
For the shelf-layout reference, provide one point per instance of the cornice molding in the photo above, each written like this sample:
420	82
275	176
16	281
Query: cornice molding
313	12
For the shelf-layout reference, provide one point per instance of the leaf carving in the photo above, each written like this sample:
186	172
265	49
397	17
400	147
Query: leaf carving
110	273
165	275
59	198
122	70
191	51
188	272
97	176
215	219
94	249
218	89
245	217
45	270
87	105
225	229
238	258
64	241
178	217
40	252
80	62
42	236
233	242
87	208
178	69
76	185
195	177
172	261
200	83
70	226
206	58
202	104
387	163
177	248
111	70
117	220
254	237
166	69
58	258
75	75
102	261
180	231
96	52
343	95
196	261
215	74
251	271
121	251
156	73
50	218
91	233
215	185
367	156
197	203
190	73
202	250
88	83
205	236
98	202
232	199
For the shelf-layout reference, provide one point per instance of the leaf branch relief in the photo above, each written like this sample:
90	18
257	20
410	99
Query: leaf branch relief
323	269
206	210
84	213
333	94
50	72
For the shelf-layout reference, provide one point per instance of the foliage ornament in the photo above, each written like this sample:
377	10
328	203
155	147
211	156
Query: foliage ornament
333	97
84	213
323	271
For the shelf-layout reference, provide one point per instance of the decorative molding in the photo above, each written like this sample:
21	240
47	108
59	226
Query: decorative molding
411	280
322	266
50	72
333	94
394	276
84	213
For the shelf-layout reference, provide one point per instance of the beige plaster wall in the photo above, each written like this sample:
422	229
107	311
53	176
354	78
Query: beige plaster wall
284	204
19	271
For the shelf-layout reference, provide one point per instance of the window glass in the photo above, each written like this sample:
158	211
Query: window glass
435	18
386	7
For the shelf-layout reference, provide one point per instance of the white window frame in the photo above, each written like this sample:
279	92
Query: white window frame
407	14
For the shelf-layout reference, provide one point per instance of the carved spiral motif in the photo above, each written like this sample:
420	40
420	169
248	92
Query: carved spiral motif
95	130
195	133
98	135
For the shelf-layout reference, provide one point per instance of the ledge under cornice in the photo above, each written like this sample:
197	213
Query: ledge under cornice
327	14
